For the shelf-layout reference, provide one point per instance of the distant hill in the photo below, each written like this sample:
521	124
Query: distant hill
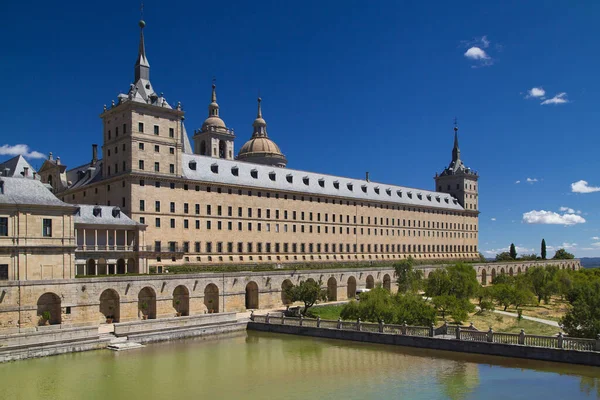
590	262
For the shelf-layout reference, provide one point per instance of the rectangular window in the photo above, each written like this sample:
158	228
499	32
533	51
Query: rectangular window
141	164
157	206
186	224
172	208
156	148
171	132
156	129
197	209
172	168
156	167
172	222
186	208
141	127
171	150
197	247
47	227
141	146
142	205
157	222
3	226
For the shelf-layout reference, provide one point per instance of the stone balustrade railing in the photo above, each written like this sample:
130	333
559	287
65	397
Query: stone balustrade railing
443	332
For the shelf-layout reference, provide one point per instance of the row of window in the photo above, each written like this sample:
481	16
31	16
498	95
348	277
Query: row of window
381	221
46	227
140	130
156	148
228	247
276	228
156	167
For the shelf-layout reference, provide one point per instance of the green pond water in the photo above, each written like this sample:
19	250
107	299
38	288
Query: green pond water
253	365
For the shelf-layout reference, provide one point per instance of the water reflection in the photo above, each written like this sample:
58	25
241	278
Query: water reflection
259	365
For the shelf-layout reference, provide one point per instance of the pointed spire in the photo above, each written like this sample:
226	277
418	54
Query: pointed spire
260	125
213	107
142	67
259	114
455	150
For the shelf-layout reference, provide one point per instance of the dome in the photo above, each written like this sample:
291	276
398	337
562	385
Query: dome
260	145
213	121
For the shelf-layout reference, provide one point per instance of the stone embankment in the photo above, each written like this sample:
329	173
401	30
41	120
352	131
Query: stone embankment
546	348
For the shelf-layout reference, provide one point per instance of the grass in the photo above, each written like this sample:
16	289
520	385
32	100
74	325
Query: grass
331	312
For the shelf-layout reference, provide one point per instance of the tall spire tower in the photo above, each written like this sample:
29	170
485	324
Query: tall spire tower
214	138
142	67
459	180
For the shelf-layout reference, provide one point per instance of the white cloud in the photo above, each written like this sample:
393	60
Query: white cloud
560	98
475	53
519	249
597	244
536	92
583	187
550	217
20	149
517	182
532	180
595	238
493	219
569	210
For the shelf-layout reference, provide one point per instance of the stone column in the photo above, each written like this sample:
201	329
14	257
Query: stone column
84	242
95	239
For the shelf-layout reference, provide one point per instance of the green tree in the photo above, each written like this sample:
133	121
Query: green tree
543	249
484	298
562	254
309	292
408	279
438	283
504	256
463	281
583	318
541	280
502	293
513	251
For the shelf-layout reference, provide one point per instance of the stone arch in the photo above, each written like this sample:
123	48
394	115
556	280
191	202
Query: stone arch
49	303
211	298
573	267
203	148
510	271
121	268
518	270
332	289
370	282
286	284
483	277
181	300
90	267
131	266
351	288
252	295
387	282
109	304
502	272
222	149
147	303
102	266
493	274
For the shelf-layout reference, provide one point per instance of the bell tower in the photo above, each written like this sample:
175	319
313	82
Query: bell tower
214	139
458	180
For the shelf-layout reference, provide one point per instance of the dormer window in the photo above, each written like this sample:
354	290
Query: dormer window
446	199
235	171
1	187
322	182
409	195
192	165
376	189
254	173
438	198
429	197
97	212
364	188
289	178
305	180
388	191
350	186
336	184
419	196
116	212
214	168
272	175
399	193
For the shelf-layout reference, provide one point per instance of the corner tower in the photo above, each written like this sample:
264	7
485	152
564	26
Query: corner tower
214	139
459	180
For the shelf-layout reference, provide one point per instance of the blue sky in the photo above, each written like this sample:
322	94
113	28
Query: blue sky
347	87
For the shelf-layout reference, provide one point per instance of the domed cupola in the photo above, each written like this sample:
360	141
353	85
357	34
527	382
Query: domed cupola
260	149
214	138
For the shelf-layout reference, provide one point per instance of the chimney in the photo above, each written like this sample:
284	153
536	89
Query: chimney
94	154
57	160
25	172
6	171
367	177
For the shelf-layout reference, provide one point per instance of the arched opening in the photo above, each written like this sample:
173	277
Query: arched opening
90	267
110	306
510	271
203	148
573	267
147	303
483	277
211	298
222	149
370	282
131	267
331	289
493	274
502	272
181	300
102	268
251	296
351	288
121	266
50	180
285	299
518	270
48	309
387	282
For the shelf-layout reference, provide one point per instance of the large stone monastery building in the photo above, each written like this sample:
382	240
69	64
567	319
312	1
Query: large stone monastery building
204	204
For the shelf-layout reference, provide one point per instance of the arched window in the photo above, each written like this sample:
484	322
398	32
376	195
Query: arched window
222	149
203	148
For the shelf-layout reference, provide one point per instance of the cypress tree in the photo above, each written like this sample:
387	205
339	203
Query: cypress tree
513	251
543	249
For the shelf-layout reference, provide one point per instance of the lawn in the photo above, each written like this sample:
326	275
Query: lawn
331	312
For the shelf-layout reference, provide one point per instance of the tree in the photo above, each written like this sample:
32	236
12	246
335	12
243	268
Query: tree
504	256
542	281
543	249
562	254
463	281
438	283
408	279
513	251
309	292
583	318
502	294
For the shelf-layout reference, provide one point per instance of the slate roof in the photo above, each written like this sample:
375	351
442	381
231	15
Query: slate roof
104	215
28	191
16	166
90	175
235	172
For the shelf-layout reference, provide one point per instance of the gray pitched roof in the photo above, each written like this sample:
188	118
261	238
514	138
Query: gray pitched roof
84	175
16	166
27	191
234	172
102	215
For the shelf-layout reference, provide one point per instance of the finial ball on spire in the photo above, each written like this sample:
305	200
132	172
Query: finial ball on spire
142	23
259	99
